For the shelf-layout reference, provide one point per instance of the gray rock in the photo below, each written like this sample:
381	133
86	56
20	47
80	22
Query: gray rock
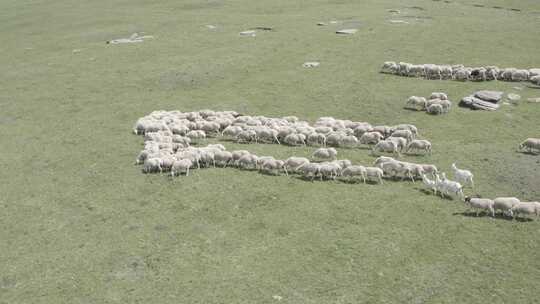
513	97
491	96
347	31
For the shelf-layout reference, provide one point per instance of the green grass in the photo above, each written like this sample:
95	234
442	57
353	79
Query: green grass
79	223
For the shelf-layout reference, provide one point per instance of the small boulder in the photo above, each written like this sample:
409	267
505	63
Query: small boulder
491	96
347	31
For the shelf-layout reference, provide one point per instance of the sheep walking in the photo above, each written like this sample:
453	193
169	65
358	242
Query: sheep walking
419	145
505	204
355	171
386	146
480	204
526	208
464	177
325	154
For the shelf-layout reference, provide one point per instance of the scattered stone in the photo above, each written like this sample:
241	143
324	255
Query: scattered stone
333	22
321	23
534	99
395	11
398	21
491	96
311	64
478	104
248	33
134	38
513	97
347	31
518	88
263	28
75	51
276	297
212	27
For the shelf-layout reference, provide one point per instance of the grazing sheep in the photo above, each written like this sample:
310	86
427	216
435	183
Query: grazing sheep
449	187
325	153
430	184
531	145
400	142
435	109
195	135
232	131
180	166
386	146
417	103
248	161
390	67
294	163
527	208
354	171
273	166
349	141
309	170
433	71
371	138
478	204
246	136
152	165
412	128
520	75
408	135
223	157
316	139
419	145
438	95
295	139
374	173
237	154
329	170
535	79
462	74
505	204
464	177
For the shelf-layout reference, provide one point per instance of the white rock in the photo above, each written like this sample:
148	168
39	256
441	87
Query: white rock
209	26
398	21
347	31
311	64
534	99
248	33
513	97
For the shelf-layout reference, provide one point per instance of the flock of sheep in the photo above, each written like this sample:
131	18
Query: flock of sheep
169	135
460	72
437	103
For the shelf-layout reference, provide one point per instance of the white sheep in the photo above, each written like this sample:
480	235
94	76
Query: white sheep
400	142
273	166
407	134
354	171
530	144
223	157
386	146
464	177
528	208
419	145
374	173
180	166
435	109
237	154
325	154
195	135
371	138
505	204
417	103
152	165
248	161
295	162
295	139
438	95
309	170
480	204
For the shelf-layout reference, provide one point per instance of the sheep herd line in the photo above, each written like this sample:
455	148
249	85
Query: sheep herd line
460	72
169	135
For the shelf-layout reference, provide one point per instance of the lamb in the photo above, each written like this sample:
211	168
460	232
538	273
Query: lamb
180	166
464	177
531	145
505	204
386	146
480	204
295	162
374	173
355	171
430	184
419	145
438	95
324	153
447	187
435	109
527	208
417	103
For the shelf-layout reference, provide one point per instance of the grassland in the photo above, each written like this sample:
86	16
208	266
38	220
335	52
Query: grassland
79	223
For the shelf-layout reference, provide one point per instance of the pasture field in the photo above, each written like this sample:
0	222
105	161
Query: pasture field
80	223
